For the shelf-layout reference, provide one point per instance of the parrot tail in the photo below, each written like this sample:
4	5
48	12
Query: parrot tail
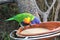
9	19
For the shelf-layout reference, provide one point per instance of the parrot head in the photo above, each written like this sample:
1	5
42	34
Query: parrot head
27	20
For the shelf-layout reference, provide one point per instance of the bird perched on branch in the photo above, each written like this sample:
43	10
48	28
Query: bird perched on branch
25	18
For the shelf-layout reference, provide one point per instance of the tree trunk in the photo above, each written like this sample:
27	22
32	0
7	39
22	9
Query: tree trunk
57	11
28	6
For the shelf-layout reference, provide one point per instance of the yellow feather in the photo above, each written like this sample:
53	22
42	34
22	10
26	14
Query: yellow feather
27	20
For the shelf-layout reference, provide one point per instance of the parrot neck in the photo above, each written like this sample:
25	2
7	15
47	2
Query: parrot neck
32	18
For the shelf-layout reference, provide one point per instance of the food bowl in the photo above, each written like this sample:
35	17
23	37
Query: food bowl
52	27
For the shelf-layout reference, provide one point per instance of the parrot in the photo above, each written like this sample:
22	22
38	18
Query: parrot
25	18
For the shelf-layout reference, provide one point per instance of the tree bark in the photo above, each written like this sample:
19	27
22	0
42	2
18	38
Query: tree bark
28	6
57	11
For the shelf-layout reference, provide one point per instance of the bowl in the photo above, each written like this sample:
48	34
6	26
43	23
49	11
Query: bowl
53	27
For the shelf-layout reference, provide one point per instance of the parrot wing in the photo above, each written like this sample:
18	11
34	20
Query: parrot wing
30	15
20	17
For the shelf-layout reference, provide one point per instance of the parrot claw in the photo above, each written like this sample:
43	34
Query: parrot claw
30	24
21	25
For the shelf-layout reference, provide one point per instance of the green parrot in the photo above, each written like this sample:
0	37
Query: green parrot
20	17
25	19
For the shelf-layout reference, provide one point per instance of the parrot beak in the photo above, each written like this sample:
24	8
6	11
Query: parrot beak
27	20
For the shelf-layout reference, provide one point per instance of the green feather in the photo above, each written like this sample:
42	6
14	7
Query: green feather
9	19
20	17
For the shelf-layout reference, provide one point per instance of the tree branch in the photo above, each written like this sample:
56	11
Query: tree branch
57	11
39	10
45	14
49	9
46	3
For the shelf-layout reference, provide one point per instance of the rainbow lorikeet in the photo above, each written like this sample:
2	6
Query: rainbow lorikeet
25	18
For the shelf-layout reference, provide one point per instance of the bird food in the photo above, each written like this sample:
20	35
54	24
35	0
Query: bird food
35	31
